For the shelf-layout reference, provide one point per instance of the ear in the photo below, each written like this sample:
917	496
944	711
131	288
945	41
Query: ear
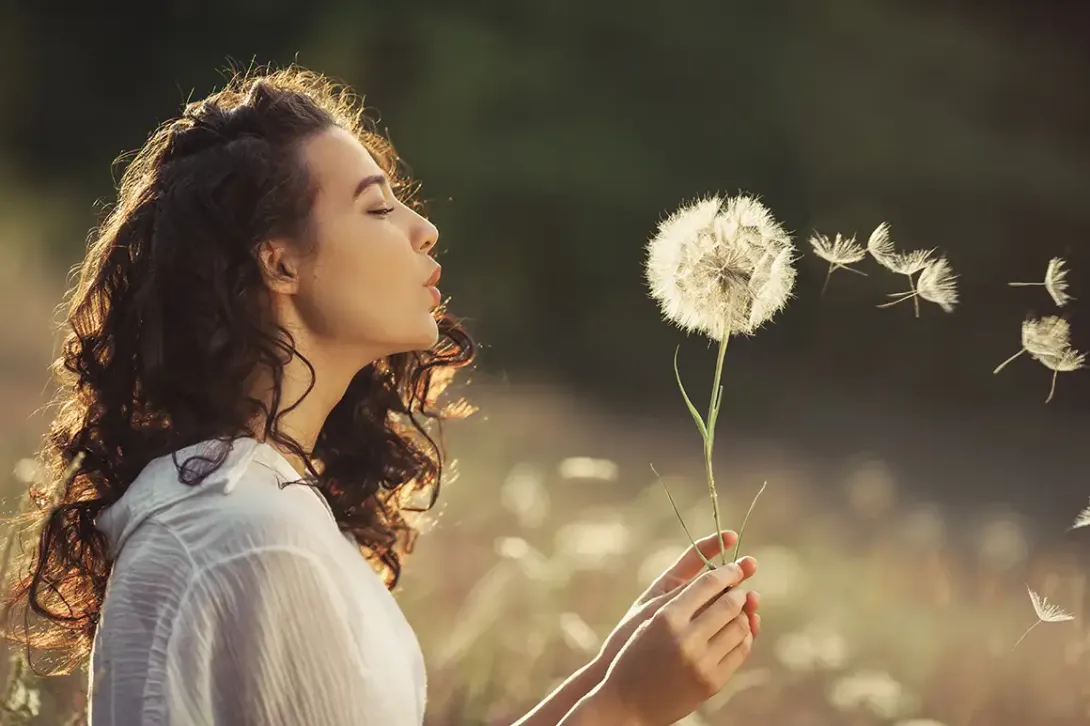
279	266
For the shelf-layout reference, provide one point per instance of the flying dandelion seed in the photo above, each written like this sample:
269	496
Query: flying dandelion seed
1048	341
719	268
881	248
1068	361
1046	613
937	284
840	253
1055	282
1082	519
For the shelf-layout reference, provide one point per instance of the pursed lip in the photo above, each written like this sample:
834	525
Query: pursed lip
434	279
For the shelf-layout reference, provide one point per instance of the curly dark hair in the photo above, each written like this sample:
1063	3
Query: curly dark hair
168	322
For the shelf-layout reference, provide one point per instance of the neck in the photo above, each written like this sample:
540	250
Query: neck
309	410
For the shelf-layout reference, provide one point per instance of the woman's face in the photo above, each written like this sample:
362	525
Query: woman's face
367	279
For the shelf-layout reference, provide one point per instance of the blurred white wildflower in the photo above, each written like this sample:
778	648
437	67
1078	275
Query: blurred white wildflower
534	564
720	267
871	488
29	472
1046	613
840	253
875	691
658	562
523	492
587	544
782	573
1001	541
813	648
1055	282
881	248
577	634
1082	519
1048	341
23	701
937	284
584	467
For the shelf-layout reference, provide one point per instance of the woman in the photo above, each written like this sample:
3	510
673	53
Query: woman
252	344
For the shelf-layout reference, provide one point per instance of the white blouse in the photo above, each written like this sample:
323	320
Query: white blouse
239	602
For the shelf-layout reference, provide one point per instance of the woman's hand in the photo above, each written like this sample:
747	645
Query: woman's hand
669	585
682	655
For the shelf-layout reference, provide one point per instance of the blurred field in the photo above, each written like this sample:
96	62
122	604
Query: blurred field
879	607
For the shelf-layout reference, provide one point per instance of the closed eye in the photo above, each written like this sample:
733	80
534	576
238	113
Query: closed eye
384	212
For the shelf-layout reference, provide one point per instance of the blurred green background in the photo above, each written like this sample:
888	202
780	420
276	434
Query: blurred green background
550	139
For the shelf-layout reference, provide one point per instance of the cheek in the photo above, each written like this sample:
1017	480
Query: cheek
362	290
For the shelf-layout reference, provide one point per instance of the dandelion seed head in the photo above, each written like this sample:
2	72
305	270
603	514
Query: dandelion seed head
1049	336
1082	519
721	267
1047	612
909	263
938	284
880	244
1067	361
840	251
1056	282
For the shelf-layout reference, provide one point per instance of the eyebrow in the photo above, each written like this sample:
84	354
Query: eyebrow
367	182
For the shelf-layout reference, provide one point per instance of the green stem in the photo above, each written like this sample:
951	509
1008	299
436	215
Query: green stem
677	513
709	441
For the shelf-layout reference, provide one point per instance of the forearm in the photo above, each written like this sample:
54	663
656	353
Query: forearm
560	706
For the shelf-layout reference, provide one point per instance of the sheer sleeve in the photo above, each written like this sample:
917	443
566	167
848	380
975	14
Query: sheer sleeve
264	638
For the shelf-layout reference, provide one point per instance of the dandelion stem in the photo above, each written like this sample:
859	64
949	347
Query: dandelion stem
1003	365
915	296
1026	633
709	440
742	529
1025	284
1052	390
852	269
828	275
908	296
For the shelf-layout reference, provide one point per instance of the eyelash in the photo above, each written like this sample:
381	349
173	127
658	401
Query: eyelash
385	212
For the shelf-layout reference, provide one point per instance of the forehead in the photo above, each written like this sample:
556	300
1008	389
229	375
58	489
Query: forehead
337	161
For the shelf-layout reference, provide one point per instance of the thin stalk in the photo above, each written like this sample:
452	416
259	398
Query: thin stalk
1004	364
1026	633
1052	391
828	275
1025	284
742	529
681	519
709	440
908	296
915	297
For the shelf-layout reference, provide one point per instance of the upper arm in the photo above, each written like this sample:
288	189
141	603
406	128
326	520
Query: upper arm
264	638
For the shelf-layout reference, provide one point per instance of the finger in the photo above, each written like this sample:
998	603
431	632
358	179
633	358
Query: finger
729	637
703	589
716	616
736	657
690	563
753	601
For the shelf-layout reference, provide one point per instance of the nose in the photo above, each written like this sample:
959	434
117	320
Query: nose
425	234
